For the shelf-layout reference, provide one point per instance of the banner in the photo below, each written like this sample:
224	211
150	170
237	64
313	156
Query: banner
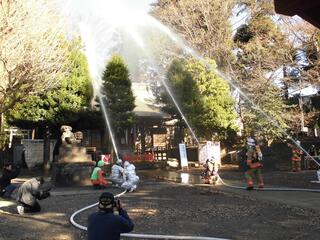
183	155
106	158
209	149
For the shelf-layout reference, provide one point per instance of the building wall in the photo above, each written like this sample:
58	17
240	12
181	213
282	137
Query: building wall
34	152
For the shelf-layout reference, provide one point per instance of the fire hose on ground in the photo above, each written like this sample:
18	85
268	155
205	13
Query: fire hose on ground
155	236
135	235
269	189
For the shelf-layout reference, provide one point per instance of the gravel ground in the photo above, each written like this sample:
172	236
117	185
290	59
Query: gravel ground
160	207
278	178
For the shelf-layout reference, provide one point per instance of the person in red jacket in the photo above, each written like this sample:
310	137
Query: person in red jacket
98	179
296	156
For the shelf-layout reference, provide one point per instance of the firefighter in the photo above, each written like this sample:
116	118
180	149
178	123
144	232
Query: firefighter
210	173
131	178
117	170
98	176
253	164
296	156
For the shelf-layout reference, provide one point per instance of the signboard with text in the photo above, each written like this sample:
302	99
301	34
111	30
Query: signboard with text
183	155
209	149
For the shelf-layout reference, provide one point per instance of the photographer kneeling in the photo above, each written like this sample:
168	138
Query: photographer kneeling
104	224
28	194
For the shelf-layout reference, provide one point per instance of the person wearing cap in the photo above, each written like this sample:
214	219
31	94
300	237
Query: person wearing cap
98	179
296	156
104	224
28	194
117	177
253	164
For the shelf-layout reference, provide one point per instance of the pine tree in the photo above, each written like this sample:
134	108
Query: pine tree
118	92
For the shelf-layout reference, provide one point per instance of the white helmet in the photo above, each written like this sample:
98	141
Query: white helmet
126	164
251	142
119	161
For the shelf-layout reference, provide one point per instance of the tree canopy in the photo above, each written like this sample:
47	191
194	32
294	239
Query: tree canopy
254	60
203	23
204	98
32	56
64	103
118	93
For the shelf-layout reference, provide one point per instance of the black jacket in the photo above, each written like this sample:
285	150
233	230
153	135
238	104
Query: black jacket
107	226
7	176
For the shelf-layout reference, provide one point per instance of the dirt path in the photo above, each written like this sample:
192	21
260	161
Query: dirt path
160	207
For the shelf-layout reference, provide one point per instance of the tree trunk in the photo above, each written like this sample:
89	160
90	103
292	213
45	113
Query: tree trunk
46	149
1	121
181	140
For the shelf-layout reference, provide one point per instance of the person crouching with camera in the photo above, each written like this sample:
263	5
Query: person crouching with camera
104	224
28	194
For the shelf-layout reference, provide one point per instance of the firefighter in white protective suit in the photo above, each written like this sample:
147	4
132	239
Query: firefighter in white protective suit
131	179
117	173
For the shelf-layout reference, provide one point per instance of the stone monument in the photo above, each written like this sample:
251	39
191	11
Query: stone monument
73	165
71	150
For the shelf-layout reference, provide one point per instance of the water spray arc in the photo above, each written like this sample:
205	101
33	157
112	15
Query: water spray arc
96	79
198	56
163	81
139	42
105	114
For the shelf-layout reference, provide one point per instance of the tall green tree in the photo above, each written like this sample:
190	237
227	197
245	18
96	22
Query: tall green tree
61	105
118	92
204	98
217	114
185	92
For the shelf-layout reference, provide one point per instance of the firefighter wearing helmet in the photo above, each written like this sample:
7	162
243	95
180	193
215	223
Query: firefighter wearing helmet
117	170
296	156
253	164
